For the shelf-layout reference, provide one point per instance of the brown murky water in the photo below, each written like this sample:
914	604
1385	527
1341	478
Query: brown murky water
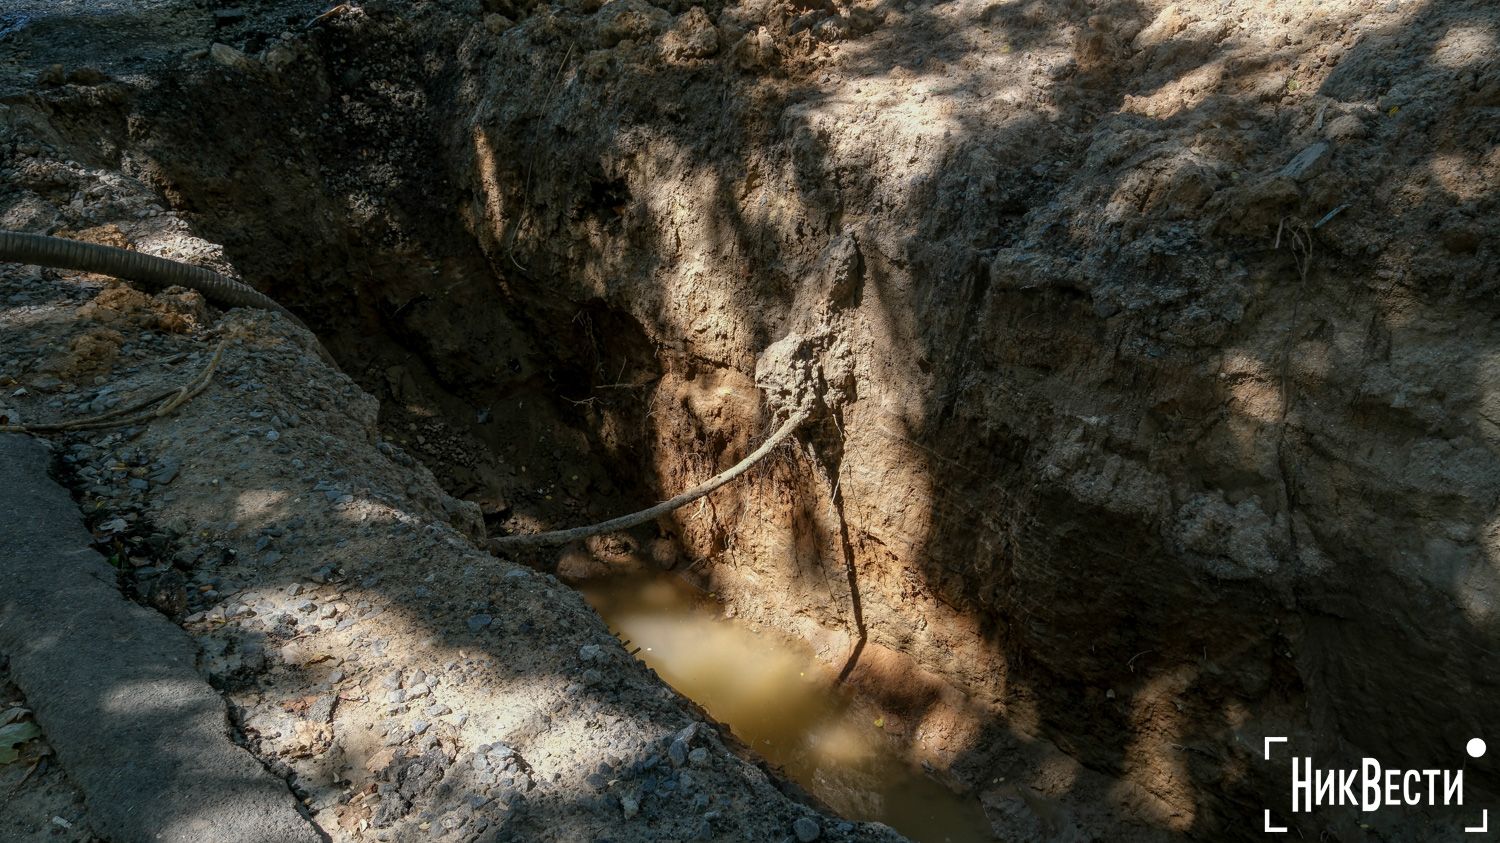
779	701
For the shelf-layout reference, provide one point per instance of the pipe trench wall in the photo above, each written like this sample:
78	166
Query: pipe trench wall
1105	456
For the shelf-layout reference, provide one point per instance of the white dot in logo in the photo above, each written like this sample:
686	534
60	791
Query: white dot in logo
1476	747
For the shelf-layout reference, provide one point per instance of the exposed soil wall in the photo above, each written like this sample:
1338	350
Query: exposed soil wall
405	684
1123	447
1155	342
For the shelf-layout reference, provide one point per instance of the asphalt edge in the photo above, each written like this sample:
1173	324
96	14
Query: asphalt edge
115	686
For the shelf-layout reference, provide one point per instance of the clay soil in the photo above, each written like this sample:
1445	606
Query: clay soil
1154	350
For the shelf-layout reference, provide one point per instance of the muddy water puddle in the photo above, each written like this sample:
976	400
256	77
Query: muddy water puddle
777	699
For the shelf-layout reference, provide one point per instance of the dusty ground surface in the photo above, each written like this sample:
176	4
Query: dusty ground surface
1155	339
116	687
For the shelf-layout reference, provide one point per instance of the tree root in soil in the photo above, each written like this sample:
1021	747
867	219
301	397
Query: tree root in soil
137	413
625	522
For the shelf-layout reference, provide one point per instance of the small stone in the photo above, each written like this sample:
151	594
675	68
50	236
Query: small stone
166	471
677	753
228	56
479	622
806	830
698	757
1307	163
629	806
511	797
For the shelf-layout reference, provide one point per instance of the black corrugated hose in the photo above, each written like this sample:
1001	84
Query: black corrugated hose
154	272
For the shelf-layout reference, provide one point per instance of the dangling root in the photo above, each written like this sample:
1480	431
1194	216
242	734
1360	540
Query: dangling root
625	522
138	413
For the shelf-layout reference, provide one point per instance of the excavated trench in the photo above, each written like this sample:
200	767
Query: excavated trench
551	410
540	409
1066	522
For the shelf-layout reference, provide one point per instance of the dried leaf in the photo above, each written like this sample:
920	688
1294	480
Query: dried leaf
13	735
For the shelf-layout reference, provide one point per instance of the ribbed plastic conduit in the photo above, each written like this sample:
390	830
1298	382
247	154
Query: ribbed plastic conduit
60	253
